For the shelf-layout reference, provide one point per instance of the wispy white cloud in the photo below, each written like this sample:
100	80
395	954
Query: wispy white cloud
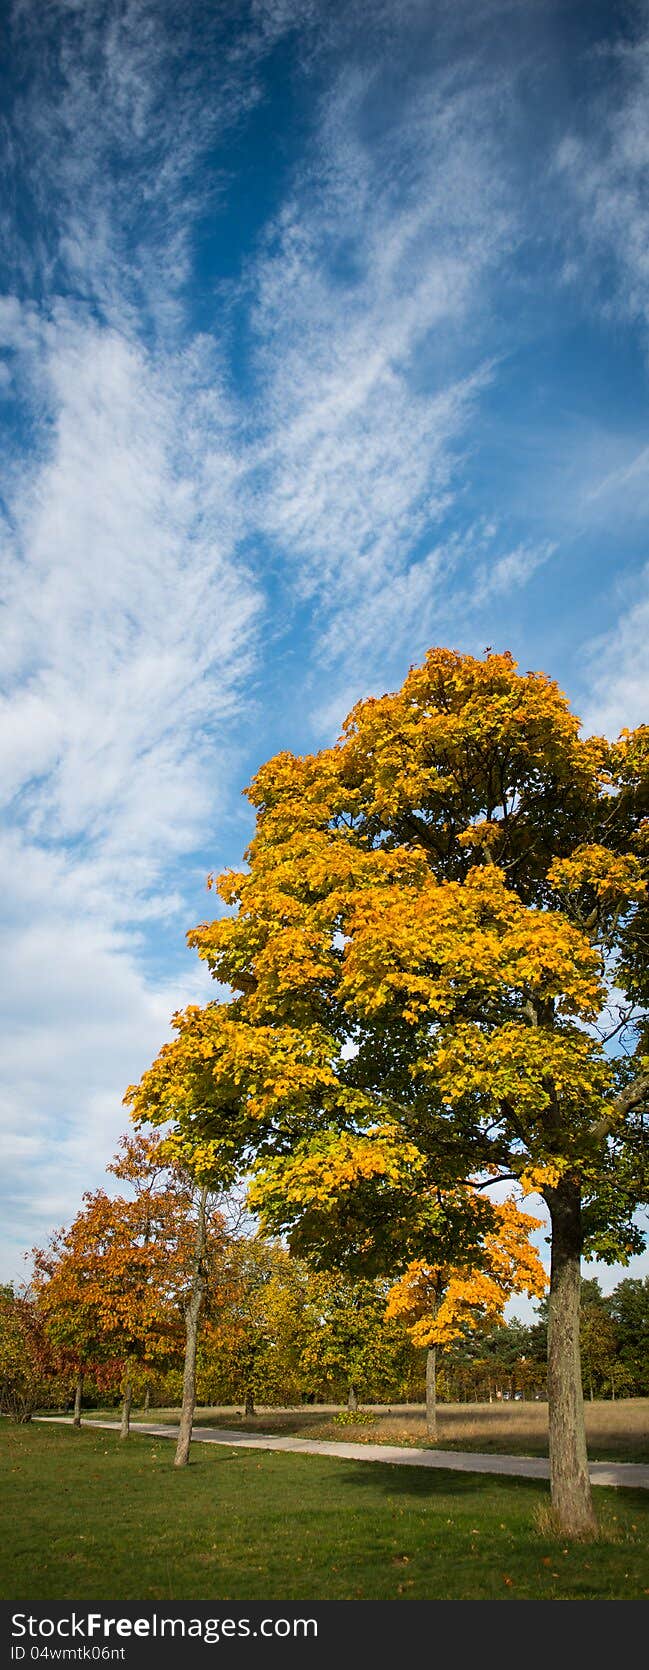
362	294
428	602
129	629
605	170
80	1019
116	109
506	573
127	616
129	612
626	485
617	668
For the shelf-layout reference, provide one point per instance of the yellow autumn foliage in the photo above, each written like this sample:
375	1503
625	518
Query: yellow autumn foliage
440	1301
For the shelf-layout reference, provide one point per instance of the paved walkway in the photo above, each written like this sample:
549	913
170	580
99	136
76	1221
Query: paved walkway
635	1475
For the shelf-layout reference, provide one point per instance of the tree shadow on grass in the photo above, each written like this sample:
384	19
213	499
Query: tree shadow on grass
438	1485
425	1482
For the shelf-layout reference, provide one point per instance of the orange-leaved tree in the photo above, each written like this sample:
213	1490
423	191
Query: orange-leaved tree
440	1303
29	1366
112	1287
439	948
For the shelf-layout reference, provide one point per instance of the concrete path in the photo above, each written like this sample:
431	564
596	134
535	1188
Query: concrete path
634	1475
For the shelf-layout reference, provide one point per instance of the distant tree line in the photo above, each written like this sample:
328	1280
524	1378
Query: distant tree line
103	1321
510	1360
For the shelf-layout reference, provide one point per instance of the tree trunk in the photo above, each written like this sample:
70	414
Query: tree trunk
192	1318
126	1408
249	1404
569	1479
78	1393
147	1400
431	1392
352	1399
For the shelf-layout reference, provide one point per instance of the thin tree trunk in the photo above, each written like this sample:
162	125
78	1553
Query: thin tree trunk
613	1391
147	1400
352	1398
126	1407
249	1404
431	1392
569	1480
78	1393
192	1318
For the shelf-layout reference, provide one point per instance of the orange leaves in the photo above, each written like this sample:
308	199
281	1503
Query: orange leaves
28	1364
439	741
535	1179
481	835
315	865
513	1261
292	906
114	1283
431	948
439	1301
242	1072
613	879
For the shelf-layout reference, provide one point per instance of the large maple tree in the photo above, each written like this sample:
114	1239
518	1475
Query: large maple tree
438	960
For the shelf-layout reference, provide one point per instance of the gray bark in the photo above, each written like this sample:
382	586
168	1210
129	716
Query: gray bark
78	1393
431	1392
569	1481
249	1404
352	1398
126	1408
193	1310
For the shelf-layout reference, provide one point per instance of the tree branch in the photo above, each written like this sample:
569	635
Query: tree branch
627	1099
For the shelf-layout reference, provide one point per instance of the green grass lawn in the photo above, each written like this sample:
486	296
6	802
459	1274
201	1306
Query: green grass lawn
89	1518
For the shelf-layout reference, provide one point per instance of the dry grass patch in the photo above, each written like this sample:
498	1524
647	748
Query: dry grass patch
611	1528
616	1431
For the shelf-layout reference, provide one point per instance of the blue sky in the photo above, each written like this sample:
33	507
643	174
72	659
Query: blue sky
323	338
